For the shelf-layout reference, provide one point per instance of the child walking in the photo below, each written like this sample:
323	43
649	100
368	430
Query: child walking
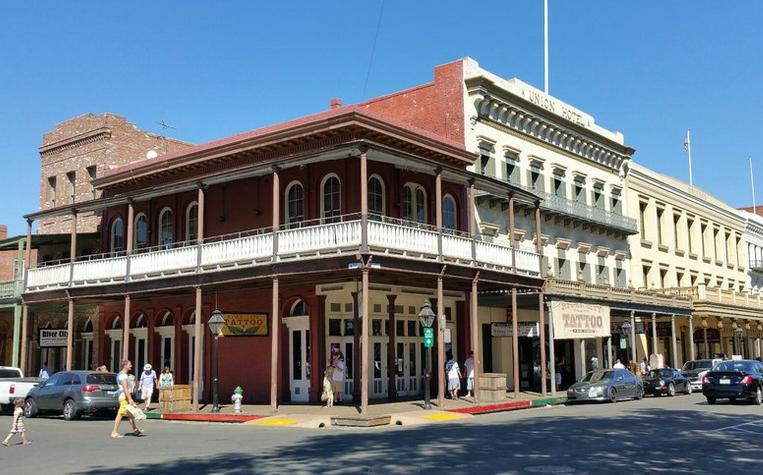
17	427
328	387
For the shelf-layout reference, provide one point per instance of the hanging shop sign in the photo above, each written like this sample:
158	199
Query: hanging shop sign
579	320
245	324
525	329
53	337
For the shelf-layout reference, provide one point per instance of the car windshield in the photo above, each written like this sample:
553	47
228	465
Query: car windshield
744	366
692	365
595	376
658	373
102	378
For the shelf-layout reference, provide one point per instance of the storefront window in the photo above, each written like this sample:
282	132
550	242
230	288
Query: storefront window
377	327
412	325
400	328
335	327
349	329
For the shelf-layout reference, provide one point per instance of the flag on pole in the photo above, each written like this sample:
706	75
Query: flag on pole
686	143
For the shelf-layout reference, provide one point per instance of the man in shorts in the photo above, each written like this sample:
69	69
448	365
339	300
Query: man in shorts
454	376
148	381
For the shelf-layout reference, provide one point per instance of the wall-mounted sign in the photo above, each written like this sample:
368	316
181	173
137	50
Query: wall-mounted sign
579	320
53	337
245	324
525	329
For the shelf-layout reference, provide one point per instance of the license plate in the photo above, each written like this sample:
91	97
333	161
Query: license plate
725	381
111	393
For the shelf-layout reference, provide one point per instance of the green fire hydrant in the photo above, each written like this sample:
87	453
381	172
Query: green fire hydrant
236	398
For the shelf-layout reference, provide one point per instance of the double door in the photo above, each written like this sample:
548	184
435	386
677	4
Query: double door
409	366
299	357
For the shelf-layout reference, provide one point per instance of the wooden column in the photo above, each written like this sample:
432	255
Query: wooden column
28	256
364	198
633	336
274	348
472	219
515	341
654	333
355	346
538	243
475	324
512	228
673	341
691	338
364	360
197	351
276	210
130	238
551	351
438	209
24	338
543	369
392	350
200	214
440	366
70	336
73	239
126	329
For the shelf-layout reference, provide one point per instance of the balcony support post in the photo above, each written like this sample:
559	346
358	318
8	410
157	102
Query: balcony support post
199	226
691	338
197	335
441	324
654	333
24	338
364	345
475	326
673	342
438	210
70	336
472	221
73	238
130	236
364	198
512	227
276	211
633	336
126	329
274	347
515	342
391	334
538	243
551	353
16	334
542	315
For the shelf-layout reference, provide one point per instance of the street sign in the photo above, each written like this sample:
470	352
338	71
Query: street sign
428	337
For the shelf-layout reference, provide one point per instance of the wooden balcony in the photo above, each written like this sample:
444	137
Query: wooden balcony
617	294
303	241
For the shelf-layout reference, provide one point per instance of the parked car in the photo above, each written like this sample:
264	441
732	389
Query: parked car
606	385
73	393
737	379
13	385
696	369
666	381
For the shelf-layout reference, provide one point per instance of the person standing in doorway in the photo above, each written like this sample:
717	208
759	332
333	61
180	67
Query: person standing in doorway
125	398
454	376
337	361
146	384
469	365
44	371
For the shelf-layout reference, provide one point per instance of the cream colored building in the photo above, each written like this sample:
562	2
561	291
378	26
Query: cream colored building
691	244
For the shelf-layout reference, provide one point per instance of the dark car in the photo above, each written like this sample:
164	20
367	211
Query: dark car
737	379
73	393
666	381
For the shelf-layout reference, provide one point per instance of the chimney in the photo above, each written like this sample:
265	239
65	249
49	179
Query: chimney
3	231
336	102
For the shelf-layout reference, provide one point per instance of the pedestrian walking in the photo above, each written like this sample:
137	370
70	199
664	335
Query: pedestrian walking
146	384
454	376
618	365
17	424
338	376
125	399
469	365
166	380
44	371
328	387
644	368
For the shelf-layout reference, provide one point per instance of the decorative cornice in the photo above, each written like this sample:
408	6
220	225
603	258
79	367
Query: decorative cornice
95	135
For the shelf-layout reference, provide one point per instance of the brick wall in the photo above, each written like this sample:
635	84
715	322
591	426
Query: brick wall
85	145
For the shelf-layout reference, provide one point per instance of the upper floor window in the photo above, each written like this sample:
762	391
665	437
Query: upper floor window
166	227
52	191
331	199
141	232
117	235
616	202
192	222
71	180
91	173
295	203
414	203
512	167
376	195
449	215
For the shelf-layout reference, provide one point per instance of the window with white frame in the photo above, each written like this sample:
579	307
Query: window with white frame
449	213
166	227
117	235
376	195
192	222
141	232
295	203
414	203
331	199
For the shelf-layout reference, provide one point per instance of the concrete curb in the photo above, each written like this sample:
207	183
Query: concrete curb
510	406
226	418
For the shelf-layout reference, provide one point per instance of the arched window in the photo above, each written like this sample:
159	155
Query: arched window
331	199
117	235
140	322
449	214
298	309
295	203
117	325
141	232
168	319
88	328
166	227
414	203
192	222
376	195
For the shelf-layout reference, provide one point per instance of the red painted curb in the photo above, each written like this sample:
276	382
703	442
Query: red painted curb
507	406
231	418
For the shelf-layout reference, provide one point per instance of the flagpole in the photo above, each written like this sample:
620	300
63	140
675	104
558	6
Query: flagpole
545	46
752	183
688	150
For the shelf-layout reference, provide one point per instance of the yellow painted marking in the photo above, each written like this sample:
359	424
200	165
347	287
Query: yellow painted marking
444	416
276	421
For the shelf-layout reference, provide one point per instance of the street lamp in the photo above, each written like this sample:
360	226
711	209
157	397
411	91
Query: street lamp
738	334
626	327
216	323
426	317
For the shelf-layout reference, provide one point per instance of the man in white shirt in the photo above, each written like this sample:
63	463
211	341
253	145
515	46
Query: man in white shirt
469	365
148	381
618	365
454	376
44	372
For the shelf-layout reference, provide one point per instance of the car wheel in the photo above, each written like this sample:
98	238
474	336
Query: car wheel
70	410
689	389
758	397
612	395
640	393
710	400
30	408
671	389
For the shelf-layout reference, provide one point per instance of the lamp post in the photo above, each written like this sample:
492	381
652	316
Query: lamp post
215	323
426	317
738	334
626	327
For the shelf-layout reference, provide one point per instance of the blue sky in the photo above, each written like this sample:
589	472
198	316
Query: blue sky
650	69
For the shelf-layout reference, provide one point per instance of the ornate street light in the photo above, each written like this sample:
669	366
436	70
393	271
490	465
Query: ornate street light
426	317
626	328
216	323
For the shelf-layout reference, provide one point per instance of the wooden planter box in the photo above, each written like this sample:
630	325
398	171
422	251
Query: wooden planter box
491	387
175	399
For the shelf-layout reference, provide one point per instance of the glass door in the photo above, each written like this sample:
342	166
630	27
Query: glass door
299	358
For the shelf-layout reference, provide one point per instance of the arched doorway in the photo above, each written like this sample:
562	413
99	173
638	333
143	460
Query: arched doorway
140	336
87	345
298	325
166	332
115	336
191	335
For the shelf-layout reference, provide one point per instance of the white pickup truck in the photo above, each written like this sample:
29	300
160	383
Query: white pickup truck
13	384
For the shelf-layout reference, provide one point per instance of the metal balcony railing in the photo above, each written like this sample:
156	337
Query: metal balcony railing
568	207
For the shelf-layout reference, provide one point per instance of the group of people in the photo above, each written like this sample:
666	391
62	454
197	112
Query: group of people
454	375
128	392
333	378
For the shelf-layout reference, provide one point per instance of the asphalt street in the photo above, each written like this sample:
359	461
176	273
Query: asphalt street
656	435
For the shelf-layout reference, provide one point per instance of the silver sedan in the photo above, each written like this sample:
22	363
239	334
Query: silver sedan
606	385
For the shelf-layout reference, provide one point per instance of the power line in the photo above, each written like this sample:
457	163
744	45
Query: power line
373	50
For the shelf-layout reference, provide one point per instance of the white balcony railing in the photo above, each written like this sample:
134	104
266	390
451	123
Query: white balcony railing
384	235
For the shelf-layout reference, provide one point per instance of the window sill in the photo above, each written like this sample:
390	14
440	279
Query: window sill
680	252
646	243
718	263
730	265
706	260
693	256
663	247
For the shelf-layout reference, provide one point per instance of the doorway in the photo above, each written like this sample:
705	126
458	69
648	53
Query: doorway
487	348
299	357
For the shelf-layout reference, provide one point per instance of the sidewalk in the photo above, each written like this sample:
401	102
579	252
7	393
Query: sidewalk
408	412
